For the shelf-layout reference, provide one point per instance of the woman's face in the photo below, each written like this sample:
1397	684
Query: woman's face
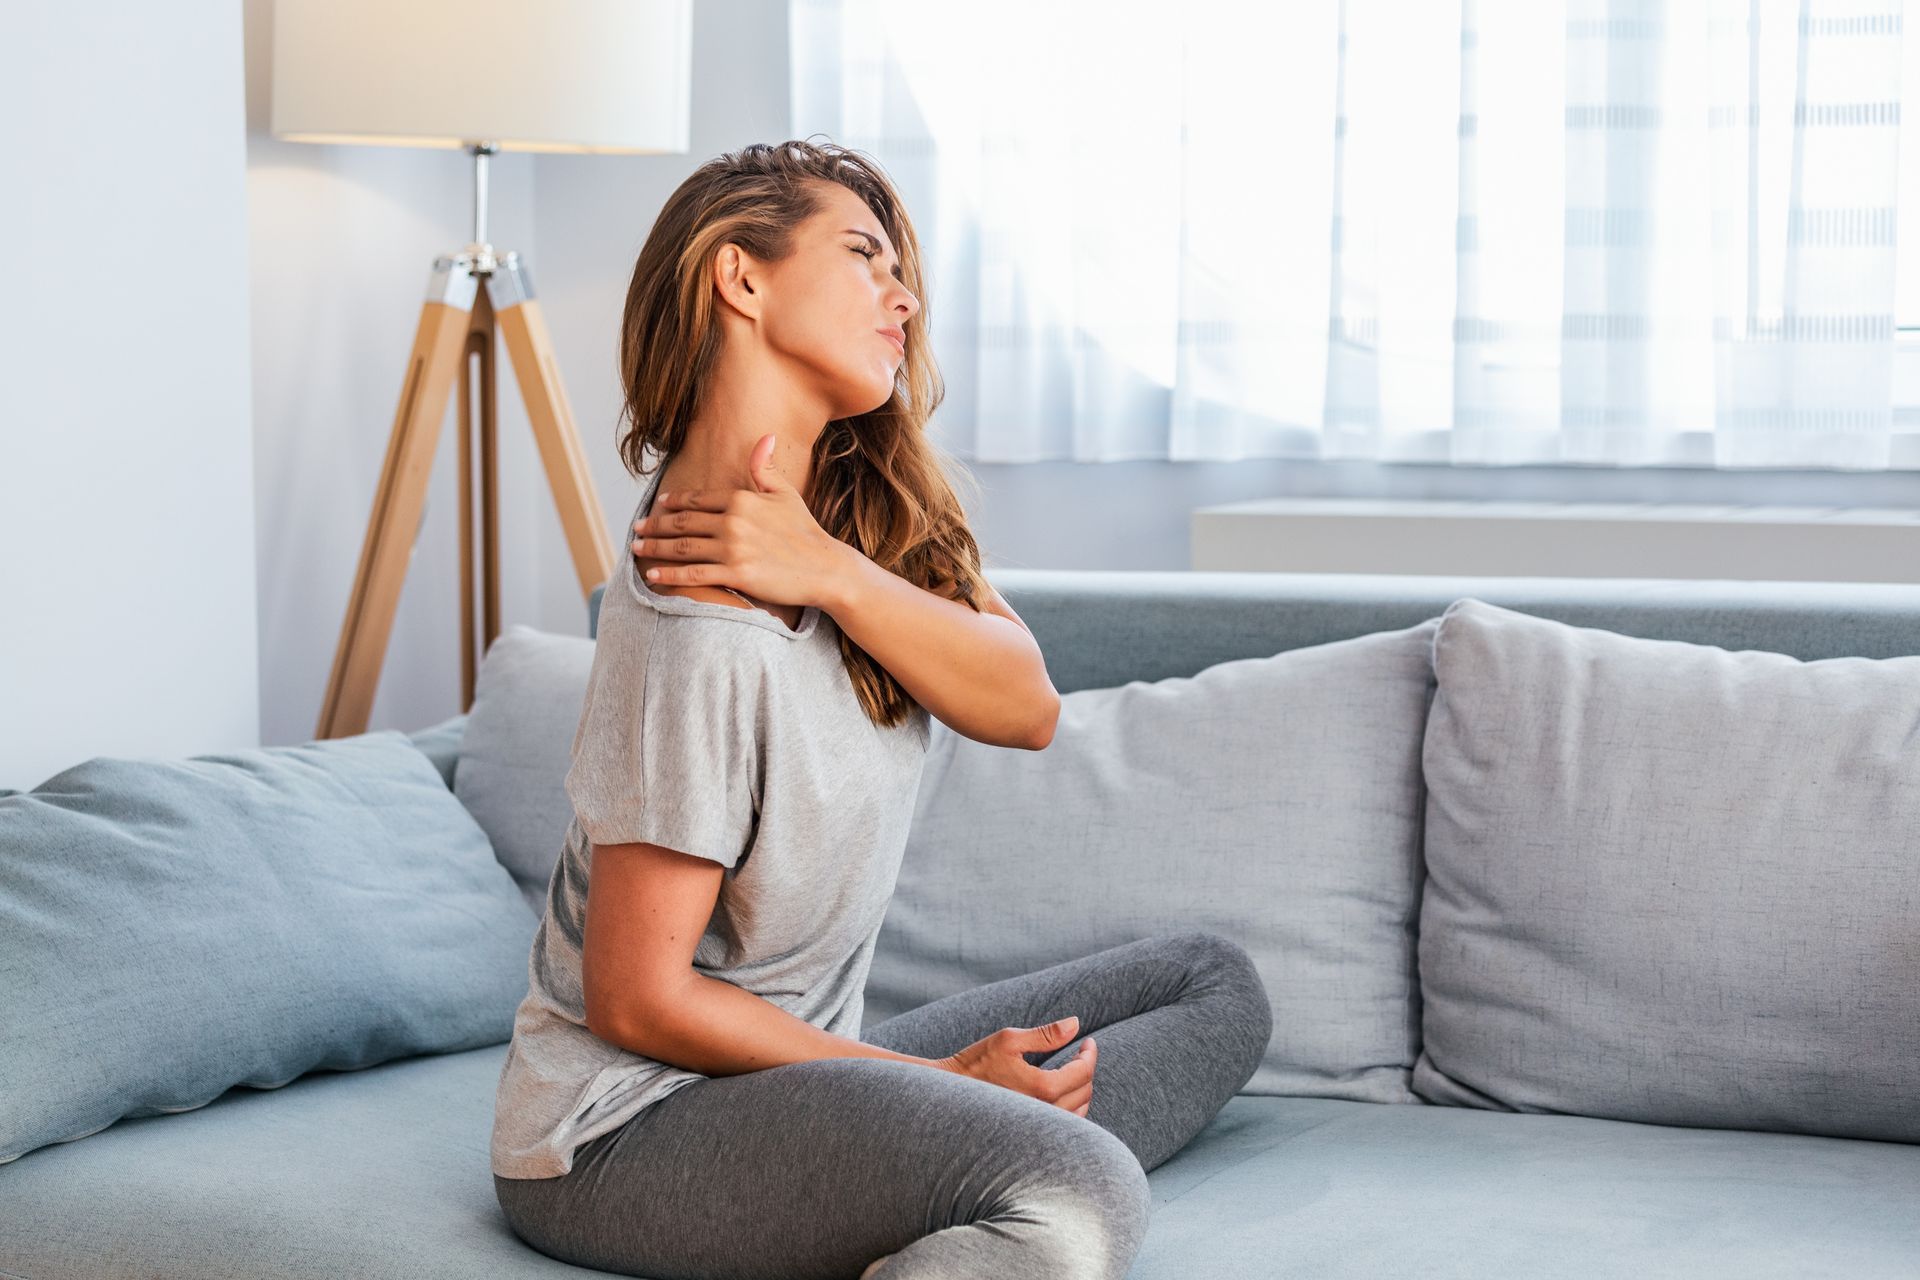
829	302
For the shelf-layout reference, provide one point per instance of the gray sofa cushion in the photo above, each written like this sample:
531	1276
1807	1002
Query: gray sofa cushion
171	928
1307	1188
518	743
382	1174
1273	800
1670	882
363	1175
440	743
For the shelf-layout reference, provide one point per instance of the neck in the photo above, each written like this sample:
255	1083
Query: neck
743	401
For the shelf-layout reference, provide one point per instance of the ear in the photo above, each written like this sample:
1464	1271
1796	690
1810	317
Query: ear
732	269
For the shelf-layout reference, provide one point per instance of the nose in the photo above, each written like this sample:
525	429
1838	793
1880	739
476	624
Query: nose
907	307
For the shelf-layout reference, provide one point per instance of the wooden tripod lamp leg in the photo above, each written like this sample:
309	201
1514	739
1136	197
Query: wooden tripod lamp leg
399	501
520	321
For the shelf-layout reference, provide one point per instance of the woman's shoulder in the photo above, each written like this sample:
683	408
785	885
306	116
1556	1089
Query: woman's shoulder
688	649
695	591
788	615
685	639
692	599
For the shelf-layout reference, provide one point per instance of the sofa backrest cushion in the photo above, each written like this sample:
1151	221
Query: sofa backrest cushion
1275	801
172	928
517	746
1669	882
440	743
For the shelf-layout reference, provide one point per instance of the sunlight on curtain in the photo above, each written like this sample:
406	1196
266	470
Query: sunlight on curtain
1484	231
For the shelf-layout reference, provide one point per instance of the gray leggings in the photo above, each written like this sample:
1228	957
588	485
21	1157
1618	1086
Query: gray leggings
823	1168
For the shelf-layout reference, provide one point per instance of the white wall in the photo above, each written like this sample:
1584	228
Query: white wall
127	619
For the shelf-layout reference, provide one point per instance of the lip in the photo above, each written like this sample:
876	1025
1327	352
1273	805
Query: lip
896	336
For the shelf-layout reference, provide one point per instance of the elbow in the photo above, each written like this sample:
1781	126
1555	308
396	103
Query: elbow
1042	734
633	1029
619	1023
597	1024
608	1025
642	1018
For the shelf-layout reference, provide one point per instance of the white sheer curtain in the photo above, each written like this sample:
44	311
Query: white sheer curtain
1484	231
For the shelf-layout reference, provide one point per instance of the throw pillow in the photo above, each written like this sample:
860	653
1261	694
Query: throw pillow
172	928
517	747
1670	882
440	743
1275	801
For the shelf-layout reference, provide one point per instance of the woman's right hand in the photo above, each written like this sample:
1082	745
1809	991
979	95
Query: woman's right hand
999	1059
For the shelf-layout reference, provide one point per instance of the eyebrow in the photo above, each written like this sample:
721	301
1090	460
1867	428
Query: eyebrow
874	240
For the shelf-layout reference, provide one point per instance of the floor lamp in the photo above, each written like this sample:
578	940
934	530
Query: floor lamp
601	76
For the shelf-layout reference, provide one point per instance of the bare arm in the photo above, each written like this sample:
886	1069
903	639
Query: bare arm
979	671
718	1029
981	674
647	907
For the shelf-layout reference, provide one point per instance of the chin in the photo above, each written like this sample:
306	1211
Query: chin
866	400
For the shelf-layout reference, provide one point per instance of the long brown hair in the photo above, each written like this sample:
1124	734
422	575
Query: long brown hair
877	483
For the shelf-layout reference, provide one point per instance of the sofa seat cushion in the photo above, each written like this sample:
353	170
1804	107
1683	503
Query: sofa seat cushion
1311	1188
373	1173
383	1173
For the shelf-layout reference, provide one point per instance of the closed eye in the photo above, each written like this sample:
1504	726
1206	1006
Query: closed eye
873	251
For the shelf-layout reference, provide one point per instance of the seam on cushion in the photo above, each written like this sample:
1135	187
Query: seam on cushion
1440	630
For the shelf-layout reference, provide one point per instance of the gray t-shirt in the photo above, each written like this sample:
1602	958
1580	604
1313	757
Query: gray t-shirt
719	731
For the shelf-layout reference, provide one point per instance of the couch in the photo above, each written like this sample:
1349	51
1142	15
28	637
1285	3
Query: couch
383	1171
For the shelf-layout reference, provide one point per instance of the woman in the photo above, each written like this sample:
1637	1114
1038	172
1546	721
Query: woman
687	1093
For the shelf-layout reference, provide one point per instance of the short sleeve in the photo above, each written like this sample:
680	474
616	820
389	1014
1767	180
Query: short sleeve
676	761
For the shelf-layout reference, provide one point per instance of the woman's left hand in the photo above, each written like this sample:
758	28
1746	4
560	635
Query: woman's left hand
762	542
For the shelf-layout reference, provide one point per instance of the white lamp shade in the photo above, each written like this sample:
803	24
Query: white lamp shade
528	75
